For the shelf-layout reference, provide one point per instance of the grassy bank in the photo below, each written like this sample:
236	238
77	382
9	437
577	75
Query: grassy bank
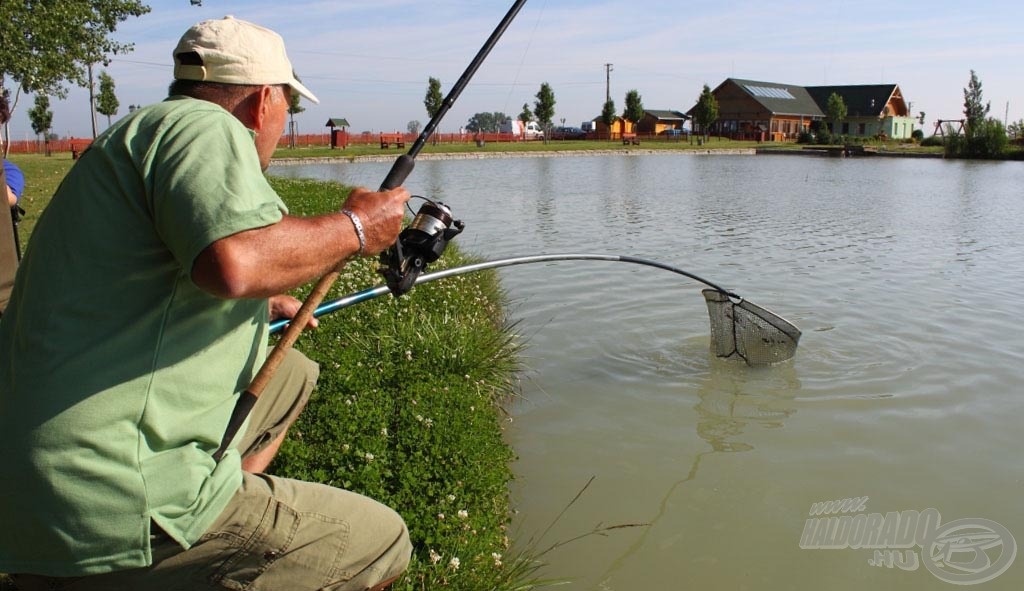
408	411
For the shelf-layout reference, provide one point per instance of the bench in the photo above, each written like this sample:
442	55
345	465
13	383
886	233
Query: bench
386	139
630	138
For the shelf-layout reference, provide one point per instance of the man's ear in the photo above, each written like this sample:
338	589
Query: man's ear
260	107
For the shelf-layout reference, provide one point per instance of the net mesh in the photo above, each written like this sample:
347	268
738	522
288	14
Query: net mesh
745	330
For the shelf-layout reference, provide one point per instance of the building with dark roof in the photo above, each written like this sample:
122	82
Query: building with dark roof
656	122
871	110
751	109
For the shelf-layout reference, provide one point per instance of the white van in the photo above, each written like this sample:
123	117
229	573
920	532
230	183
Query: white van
530	131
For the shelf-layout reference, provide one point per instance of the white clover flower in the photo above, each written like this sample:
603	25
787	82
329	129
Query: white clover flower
497	558
419	418
384	431
408	355
369	457
463	514
454	563
434	557
428	422
440	515
451	498
345	447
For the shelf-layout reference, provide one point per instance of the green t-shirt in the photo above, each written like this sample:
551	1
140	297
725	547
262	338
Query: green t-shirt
118	374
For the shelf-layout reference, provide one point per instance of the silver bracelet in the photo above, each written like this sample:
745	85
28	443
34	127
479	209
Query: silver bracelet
359	229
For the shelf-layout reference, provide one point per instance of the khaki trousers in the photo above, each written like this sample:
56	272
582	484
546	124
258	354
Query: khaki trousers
276	534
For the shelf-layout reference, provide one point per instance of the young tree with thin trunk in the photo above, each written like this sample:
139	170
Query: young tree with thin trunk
433	101
975	109
837	111
608	115
544	108
294	108
634	108
706	112
107	103
42	119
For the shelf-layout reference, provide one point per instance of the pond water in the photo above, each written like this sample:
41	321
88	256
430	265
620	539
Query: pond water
904	396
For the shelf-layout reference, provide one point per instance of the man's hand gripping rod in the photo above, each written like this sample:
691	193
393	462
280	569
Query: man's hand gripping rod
396	176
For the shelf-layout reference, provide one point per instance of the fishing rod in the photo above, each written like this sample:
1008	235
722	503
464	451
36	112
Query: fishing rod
373	292
739	328
402	264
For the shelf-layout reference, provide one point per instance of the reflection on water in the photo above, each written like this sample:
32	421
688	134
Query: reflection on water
904	276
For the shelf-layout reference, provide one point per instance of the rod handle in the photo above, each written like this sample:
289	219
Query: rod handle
400	170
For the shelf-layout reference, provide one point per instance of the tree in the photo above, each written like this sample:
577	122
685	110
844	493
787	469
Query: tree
66	37
1016	129
42	119
433	101
413	127
486	122
608	115
544	108
526	115
974	109
294	108
634	108
984	137
837	111
107	103
706	112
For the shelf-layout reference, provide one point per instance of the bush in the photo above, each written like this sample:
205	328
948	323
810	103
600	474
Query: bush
932	141
917	135
805	137
988	142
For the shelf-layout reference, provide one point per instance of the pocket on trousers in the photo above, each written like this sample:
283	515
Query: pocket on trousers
239	559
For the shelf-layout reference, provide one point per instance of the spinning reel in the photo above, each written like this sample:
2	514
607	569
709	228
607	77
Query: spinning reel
418	245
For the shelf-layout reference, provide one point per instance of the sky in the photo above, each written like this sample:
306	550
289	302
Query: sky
369	60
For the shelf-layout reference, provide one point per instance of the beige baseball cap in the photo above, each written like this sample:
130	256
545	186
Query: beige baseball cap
234	51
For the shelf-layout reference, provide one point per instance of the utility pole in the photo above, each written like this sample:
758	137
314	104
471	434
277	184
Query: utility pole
607	82
92	102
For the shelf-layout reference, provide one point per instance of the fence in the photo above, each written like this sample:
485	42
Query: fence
323	140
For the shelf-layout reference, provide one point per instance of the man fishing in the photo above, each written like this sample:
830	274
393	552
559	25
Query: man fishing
138	316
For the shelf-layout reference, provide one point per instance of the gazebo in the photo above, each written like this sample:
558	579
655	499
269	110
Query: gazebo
339	137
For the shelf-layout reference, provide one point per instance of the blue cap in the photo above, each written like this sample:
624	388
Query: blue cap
15	179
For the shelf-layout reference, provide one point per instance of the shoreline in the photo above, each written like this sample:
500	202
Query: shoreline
537	154
578	153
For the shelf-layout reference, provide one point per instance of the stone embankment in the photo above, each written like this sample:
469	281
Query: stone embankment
536	154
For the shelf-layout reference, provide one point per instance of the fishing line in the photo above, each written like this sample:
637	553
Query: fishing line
519	70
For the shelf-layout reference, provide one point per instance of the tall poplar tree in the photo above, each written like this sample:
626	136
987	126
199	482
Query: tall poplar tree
42	119
107	103
433	101
544	108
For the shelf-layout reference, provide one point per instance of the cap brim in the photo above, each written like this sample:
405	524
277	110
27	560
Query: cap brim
299	88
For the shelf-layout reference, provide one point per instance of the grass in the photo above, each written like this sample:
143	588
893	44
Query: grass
408	412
